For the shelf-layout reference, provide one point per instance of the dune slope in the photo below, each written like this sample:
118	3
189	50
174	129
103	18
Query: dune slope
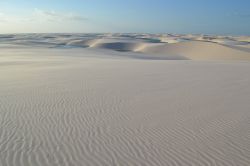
197	50
75	107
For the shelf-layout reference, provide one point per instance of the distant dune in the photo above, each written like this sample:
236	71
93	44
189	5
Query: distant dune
198	50
169	47
124	99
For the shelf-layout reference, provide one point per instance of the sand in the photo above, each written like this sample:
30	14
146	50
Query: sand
124	100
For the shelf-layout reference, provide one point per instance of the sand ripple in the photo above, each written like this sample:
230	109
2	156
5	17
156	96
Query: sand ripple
59	110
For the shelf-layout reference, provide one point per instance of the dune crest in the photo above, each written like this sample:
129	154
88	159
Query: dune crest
165	46
197	50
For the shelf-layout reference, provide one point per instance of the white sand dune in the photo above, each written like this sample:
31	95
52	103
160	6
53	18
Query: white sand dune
96	106
197	50
83	43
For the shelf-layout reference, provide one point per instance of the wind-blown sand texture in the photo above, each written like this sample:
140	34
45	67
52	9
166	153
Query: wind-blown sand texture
124	99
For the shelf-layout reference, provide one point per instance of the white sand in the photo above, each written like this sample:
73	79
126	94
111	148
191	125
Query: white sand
96	106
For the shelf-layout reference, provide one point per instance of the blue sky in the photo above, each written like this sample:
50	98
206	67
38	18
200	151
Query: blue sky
145	16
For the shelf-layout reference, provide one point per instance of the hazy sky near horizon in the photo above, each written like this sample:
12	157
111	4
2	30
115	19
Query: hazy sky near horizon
145	16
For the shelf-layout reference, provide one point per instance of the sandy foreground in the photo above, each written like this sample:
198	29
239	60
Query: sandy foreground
139	100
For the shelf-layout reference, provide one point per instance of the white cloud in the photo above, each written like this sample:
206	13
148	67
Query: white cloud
43	21
42	15
240	14
57	16
4	17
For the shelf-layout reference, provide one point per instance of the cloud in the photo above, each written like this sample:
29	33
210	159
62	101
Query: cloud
240	14
42	15
3	17
56	16
43	21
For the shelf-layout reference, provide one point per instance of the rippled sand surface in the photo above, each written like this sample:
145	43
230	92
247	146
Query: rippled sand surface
110	104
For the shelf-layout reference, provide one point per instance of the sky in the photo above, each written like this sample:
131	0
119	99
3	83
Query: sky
126	16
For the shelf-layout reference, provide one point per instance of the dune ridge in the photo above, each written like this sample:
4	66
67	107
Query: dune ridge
174	47
196	50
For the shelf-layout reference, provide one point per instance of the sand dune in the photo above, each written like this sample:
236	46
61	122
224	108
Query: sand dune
111	105
83	43
196	50
169	47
